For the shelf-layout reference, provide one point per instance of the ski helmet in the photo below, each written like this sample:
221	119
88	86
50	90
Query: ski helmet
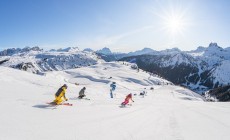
65	86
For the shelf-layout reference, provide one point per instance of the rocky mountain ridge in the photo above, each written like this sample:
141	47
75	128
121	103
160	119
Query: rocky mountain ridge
200	70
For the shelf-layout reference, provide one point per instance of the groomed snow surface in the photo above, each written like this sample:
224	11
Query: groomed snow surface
167	113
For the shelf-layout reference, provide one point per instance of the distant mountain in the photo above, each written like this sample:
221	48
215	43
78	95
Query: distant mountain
170	51
200	49
36	60
88	50
200	70
69	49
112	56
105	51
141	52
108	56
12	51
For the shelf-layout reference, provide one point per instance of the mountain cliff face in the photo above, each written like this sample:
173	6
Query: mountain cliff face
36	60
199	70
219	94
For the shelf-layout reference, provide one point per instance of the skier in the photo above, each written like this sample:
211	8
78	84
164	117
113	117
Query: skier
82	93
152	88
59	95
112	88
128	97
144	92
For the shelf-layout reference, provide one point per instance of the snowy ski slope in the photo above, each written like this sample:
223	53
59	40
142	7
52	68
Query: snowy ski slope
168	112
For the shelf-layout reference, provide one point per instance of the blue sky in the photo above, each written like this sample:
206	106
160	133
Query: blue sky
121	25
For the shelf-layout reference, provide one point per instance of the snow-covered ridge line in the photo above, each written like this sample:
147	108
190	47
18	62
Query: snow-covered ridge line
36	60
200	70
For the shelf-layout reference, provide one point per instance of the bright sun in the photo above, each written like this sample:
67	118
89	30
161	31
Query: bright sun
174	21
175	24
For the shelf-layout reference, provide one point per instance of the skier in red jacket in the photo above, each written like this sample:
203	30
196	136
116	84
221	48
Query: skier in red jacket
128	97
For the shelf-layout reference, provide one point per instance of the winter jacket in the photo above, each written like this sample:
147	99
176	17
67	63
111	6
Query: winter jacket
113	86
128	97
60	94
82	92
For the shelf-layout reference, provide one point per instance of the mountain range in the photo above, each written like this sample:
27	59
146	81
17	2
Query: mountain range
200	70
37	61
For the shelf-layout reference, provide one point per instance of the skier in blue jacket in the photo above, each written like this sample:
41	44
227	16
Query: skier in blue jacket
112	88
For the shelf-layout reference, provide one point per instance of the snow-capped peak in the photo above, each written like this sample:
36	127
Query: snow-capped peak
13	51
171	51
199	49
141	52
214	47
105	50
35	48
145	51
213	50
88	50
69	49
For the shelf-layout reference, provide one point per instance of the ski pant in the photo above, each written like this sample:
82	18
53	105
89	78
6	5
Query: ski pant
58	100
111	93
81	96
125	102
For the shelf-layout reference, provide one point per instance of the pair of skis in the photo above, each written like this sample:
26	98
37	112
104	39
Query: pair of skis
124	106
64	103
54	104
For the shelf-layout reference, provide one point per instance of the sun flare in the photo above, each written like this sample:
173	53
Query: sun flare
175	24
174	20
